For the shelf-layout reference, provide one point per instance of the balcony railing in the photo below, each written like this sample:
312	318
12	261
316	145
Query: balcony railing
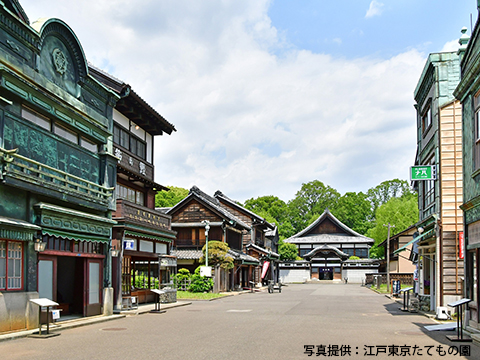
142	215
15	166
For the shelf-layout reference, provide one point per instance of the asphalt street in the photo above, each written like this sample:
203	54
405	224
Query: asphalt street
321	320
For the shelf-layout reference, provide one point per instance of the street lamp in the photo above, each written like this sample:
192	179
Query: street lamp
207	227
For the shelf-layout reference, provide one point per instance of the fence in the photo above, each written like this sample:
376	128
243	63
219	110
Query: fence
405	278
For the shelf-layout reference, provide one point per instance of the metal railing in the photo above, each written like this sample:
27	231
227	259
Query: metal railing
34	172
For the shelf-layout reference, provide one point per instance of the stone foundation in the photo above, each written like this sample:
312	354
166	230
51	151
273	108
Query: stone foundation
170	296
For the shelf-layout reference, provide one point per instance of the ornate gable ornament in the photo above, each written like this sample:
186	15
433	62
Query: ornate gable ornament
61	60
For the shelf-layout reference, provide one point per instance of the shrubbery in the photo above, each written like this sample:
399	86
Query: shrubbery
192	282
200	283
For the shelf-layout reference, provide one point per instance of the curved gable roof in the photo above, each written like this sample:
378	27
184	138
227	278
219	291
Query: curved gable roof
348	235
327	251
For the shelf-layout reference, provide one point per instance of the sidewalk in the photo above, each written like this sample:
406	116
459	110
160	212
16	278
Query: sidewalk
69	324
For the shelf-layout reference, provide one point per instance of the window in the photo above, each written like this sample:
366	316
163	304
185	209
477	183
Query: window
58	129
428	198
303	252
361	253
349	252
10	265
36	118
132	195
65	133
89	145
477	140
426	120
128	141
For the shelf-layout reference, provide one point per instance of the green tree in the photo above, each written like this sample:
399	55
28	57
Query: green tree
386	190
355	211
170	198
313	198
218	254
274	210
287	251
399	212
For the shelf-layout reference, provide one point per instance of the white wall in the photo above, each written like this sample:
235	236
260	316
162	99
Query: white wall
294	275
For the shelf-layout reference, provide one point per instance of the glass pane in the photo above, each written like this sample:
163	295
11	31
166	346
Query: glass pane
65	133
45	279
3	267
94	283
10	267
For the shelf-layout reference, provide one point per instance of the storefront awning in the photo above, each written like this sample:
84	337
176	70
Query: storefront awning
15	229
147	236
404	247
76	237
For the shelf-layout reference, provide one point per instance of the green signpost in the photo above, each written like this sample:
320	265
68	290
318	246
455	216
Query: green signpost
423	172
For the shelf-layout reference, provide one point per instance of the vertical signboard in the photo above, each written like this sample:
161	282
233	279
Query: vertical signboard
461	244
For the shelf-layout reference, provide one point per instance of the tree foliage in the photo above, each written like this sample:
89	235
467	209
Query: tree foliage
387	190
313	198
355	211
287	251
218	254
170	198
274	210
401	213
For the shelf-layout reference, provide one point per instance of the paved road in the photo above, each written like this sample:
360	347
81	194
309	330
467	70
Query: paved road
254	326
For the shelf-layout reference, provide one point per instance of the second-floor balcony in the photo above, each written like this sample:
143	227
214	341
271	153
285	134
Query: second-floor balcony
22	172
141	215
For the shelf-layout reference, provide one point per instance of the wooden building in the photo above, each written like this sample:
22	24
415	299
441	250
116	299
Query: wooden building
468	92
401	248
255	241
142	234
439	144
229	223
57	173
327	244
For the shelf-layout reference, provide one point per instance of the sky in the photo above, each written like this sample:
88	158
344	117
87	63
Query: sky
266	95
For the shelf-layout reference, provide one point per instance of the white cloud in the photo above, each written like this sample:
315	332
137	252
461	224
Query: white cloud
450	46
375	9
250	122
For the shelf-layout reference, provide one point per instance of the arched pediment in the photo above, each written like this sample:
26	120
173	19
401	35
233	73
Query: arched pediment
326	251
61	59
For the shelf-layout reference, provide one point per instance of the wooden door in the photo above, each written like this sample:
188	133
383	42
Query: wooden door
93	287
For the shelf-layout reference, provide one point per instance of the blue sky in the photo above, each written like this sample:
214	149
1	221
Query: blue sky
269	94
342	27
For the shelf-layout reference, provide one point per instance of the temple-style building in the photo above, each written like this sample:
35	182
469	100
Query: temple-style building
327	245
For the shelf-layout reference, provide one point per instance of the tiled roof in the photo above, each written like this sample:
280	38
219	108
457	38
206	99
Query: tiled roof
213	203
240	256
220	195
186	254
262	250
350	236
329	239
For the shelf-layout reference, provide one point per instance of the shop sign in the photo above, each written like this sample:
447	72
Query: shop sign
424	172
461	244
128	244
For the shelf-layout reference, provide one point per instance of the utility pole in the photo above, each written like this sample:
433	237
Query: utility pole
388	256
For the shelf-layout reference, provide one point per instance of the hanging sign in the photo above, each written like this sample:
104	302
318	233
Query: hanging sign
461	244
128	244
423	172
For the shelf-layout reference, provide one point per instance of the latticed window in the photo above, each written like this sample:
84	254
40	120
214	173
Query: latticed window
10	265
